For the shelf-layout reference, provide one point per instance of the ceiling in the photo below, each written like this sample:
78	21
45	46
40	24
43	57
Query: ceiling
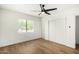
33	9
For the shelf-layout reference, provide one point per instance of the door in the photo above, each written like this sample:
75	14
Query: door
52	33
60	31
57	31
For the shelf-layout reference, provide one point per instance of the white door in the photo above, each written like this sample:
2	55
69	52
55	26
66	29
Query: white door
60	31
52	33
57	31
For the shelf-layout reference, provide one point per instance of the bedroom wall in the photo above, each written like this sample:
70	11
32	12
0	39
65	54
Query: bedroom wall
45	28
9	27
67	14
68	36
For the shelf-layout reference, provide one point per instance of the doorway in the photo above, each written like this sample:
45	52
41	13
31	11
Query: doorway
77	32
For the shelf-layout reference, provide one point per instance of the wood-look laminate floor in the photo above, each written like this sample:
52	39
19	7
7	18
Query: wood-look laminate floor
37	46
77	47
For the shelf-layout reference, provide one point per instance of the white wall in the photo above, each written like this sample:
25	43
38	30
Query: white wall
9	28
44	28
67	14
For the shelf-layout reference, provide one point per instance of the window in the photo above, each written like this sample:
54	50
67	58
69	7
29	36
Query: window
26	25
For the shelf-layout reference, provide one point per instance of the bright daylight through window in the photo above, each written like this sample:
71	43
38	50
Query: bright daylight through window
26	25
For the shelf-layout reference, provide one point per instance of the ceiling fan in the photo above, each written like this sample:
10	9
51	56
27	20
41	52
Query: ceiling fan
46	11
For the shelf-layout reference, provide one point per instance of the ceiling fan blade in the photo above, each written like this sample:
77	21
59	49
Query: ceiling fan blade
51	9
41	7
47	13
39	14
